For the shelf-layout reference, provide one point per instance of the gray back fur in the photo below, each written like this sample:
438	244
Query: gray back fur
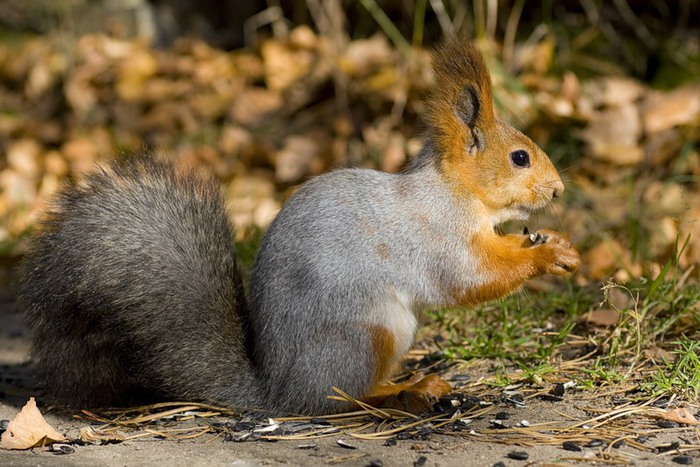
351	248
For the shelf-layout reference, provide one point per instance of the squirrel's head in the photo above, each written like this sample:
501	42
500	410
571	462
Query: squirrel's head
480	156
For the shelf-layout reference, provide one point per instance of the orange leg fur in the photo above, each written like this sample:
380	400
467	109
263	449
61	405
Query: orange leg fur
512	259
416	395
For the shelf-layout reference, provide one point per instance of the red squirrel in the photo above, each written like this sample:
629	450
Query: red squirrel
132	289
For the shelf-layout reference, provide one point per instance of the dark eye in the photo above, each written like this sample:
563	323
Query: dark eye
520	158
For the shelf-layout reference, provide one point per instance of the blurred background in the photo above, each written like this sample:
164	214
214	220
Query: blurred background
269	93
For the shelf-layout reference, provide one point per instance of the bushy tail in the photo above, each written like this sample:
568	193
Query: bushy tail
131	290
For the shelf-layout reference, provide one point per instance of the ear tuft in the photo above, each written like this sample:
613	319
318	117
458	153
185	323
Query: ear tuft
460	109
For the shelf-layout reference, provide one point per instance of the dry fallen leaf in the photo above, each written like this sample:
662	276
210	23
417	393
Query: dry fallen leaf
605	317
679	415
29	429
604	258
663	111
284	64
613	135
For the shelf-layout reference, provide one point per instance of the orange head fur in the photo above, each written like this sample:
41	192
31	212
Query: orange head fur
481	157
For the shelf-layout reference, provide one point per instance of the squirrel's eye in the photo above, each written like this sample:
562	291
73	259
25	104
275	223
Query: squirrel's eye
520	158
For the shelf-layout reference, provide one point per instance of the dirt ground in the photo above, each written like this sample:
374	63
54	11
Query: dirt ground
435	449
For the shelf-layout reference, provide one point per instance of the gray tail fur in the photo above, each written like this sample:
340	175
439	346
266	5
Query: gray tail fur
132	291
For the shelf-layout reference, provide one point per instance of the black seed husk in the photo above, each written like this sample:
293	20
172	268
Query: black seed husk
571	446
519	455
320	421
683	460
345	445
244	426
668	447
558	390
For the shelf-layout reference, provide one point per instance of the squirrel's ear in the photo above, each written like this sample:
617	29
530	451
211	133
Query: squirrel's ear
462	98
468	107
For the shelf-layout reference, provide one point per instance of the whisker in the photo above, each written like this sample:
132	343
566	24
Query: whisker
566	179
566	169
553	209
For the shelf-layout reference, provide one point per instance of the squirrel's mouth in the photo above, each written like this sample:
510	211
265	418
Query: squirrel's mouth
514	213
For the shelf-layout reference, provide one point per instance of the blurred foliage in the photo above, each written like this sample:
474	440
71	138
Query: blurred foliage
654	41
325	84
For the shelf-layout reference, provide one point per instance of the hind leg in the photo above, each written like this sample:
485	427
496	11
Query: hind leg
416	395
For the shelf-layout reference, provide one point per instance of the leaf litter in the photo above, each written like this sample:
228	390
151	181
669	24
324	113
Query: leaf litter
599	436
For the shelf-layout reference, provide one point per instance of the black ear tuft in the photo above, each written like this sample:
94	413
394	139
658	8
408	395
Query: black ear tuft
468	105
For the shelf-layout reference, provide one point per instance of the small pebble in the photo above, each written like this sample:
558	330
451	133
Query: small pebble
502	416
667	424
420	462
524	423
3	425
683	460
519	455
595	443
571	446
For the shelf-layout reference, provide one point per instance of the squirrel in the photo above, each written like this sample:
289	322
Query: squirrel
131	288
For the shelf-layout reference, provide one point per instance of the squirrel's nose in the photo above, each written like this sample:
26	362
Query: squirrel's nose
558	190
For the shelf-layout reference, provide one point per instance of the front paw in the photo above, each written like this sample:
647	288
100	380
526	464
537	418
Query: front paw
557	254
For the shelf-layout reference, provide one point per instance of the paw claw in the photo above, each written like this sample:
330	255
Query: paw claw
559	256
419	397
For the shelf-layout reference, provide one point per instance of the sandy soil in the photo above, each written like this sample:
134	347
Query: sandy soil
435	450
